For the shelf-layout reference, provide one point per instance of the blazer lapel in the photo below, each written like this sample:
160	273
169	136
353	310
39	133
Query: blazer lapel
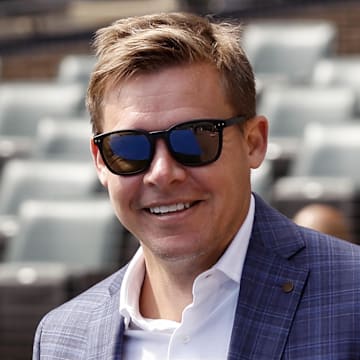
270	290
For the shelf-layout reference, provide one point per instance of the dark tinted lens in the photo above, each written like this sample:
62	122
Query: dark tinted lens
195	144
127	152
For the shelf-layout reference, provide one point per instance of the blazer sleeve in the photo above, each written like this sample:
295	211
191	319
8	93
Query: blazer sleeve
36	347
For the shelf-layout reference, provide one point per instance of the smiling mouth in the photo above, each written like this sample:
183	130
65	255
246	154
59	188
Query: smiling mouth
166	209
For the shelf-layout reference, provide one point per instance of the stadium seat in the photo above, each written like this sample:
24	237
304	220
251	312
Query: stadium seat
288	49
75	68
82	234
23	104
329	150
63	139
41	179
290	108
23	180
339	71
325	170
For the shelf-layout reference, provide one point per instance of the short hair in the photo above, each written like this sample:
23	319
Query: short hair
149	43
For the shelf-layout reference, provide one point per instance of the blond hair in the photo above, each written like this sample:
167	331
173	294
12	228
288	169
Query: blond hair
150	43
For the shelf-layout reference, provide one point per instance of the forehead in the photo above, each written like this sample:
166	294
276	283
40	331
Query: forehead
159	100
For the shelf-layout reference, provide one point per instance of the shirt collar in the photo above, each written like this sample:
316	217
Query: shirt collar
131	287
232	261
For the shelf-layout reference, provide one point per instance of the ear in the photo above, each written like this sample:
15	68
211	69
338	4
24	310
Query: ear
100	167
256	135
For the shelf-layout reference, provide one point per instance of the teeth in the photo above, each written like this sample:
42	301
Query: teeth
169	208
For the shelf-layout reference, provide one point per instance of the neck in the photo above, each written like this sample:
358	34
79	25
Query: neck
160	299
166	290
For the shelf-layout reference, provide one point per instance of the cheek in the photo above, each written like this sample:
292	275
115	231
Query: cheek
234	163
123	193
234	178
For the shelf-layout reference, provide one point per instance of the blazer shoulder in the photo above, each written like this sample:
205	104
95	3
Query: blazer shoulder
65	330
323	246
281	235
84	304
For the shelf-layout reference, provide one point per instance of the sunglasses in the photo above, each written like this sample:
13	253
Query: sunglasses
192	143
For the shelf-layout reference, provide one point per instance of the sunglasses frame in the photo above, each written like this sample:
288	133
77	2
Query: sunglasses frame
152	136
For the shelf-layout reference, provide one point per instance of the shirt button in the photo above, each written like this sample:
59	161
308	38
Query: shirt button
186	339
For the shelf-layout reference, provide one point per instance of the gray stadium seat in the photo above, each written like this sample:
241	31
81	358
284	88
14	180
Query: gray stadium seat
27	179
325	170
79	233
41	179
23	104
329	150
62	139
339	71
75	68
288	49
290	108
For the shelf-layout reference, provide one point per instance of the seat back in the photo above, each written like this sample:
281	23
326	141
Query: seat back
339	71
289	49
44	179
329	150
290	108
75	68
24	104
62	139
83	233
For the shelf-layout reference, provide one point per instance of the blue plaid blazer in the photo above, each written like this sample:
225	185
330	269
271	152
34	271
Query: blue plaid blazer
299	299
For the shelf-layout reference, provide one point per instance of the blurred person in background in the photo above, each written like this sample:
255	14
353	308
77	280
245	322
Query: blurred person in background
219	274
324	218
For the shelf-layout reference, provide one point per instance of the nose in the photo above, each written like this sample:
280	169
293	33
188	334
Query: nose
164	170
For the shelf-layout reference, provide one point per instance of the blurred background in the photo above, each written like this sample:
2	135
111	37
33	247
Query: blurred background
58	233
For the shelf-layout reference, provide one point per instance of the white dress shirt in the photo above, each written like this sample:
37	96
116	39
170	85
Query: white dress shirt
206	326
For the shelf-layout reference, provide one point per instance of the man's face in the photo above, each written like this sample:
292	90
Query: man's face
212	200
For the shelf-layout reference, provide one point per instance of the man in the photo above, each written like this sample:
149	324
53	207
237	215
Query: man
219	274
